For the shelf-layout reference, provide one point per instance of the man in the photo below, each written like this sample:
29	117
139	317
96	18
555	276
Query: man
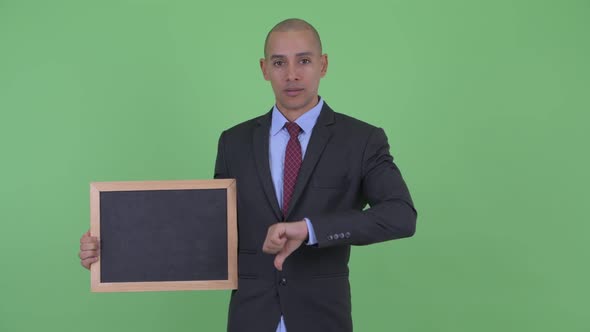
304	174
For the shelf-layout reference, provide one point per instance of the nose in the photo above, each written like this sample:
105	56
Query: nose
292	73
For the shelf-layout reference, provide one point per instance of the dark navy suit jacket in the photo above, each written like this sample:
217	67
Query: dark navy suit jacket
347	166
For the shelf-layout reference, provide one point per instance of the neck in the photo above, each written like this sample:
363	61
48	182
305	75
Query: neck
294	114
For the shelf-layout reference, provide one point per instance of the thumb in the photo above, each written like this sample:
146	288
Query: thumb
287	250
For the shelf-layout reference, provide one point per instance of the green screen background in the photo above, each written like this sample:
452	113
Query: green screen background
485	104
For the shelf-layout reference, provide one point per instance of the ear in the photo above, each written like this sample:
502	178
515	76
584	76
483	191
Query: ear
263	69
324	64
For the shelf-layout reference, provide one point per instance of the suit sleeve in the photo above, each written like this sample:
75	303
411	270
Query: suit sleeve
221	171
391	214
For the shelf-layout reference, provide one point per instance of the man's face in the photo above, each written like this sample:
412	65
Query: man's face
294	67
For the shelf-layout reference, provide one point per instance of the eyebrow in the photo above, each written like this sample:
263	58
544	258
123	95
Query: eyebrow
274	56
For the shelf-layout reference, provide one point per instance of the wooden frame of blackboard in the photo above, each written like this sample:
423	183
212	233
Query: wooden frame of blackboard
130	186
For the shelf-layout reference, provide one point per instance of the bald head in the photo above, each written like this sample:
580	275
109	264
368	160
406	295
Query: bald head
293	24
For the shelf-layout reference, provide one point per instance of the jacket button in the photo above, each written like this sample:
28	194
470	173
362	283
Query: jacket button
335	236
330	237
342	235
283	282
347	235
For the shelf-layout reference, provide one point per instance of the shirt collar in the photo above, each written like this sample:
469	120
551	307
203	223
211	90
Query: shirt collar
305	121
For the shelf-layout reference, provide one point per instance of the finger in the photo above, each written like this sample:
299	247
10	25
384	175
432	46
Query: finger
276	231
85	235
279	260
287	250
88	254
89	246
271	248
273	241
279	263
87	262
273	245
88	239
278	241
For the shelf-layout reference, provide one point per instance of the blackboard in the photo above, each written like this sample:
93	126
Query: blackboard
164	235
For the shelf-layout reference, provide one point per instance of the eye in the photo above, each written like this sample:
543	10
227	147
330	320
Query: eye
278	63
305	61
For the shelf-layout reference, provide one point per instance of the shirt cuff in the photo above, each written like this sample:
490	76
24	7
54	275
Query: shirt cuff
310	233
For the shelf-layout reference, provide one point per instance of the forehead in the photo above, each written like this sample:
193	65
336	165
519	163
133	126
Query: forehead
292	42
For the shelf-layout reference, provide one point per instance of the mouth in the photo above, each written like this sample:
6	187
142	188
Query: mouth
292	92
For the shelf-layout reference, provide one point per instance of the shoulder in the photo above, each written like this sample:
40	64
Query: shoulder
354	123
246	128
352	126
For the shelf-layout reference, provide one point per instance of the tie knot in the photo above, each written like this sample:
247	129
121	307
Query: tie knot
293	129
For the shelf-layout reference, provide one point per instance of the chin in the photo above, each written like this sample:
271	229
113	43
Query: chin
296	104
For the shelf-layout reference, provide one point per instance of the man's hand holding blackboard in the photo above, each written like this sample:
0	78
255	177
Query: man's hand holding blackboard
88	250
283	238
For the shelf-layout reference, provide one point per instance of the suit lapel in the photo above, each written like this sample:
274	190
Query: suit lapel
319	139
260	148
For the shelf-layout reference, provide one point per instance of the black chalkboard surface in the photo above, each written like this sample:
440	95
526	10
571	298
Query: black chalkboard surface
164	235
